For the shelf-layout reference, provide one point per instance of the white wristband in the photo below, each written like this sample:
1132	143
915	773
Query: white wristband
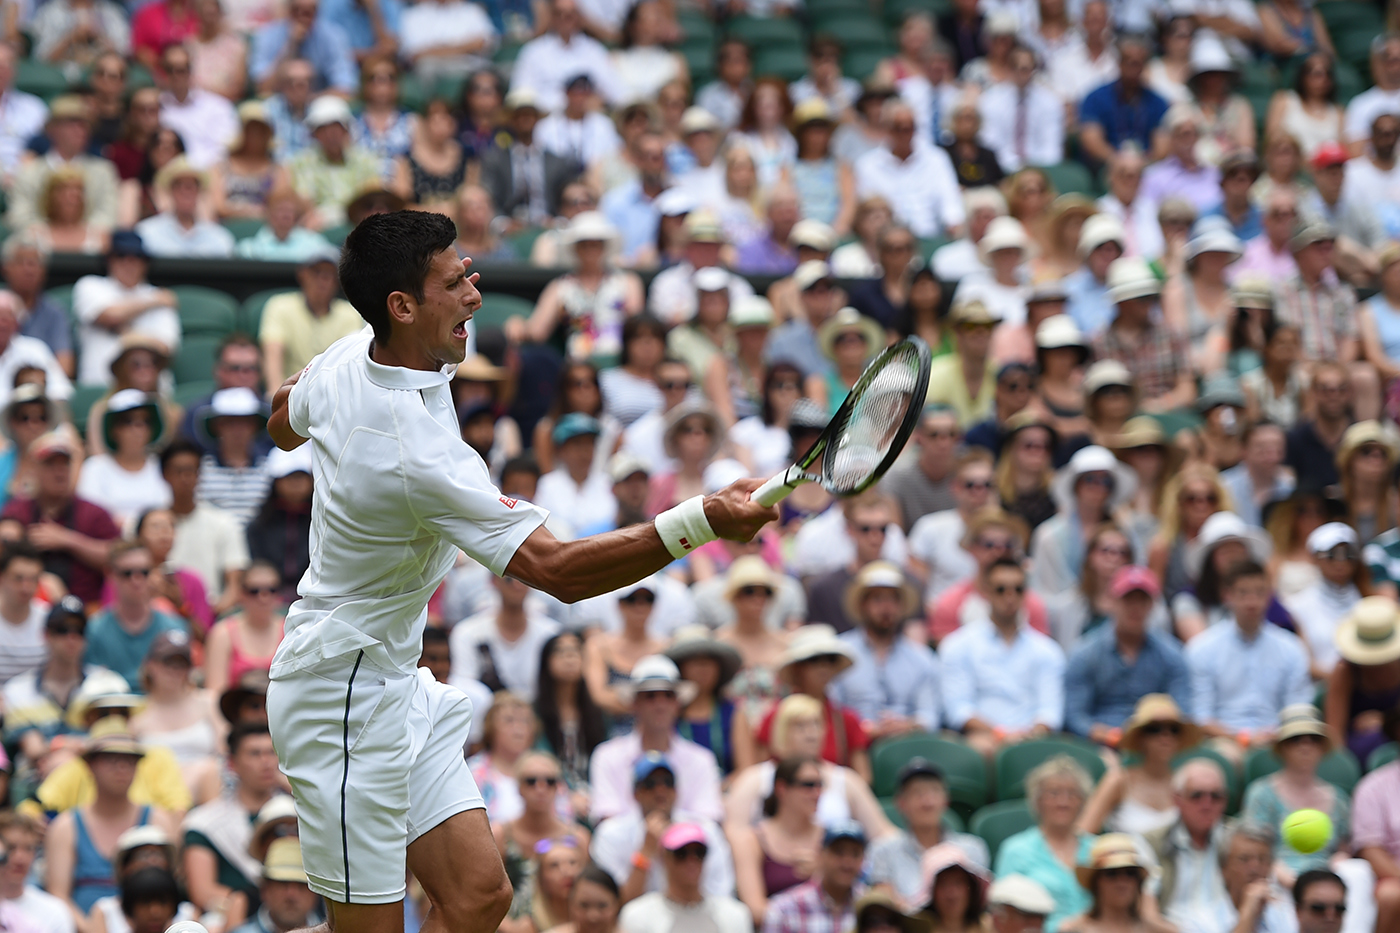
685	527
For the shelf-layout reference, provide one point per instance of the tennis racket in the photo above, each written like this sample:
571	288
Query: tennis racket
869	430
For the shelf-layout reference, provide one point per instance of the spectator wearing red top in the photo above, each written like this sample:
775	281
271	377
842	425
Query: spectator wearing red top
73	535
992	534
812	660
158	25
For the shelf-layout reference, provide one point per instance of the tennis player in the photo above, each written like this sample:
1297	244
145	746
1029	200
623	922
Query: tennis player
372	745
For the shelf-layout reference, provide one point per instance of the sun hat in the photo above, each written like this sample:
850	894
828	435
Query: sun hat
711	279
252	684
674	202
1111	850
697	641
1047	290
810	273
812	234
1002	233
1222	527
139	837
698	120
656	673
812	110
1297	719
748	570
1220	390
283	861
1134	579
477	368
1370	633
1310	232
1214	240
1252	291
1131	277
521	98
680	835
1059	331
879	574
752	311
575	424
1327	536
1021	893
127	400
589	227
702	226
1237	159
1363	433
132	341
972	311
850	321
1024	420
690	408
1141	431
239	402
624	464
250	111
111	736
29	392
1098	230
1001	23
1105	373
179	167
938	859
882	900
1092	459
69	107
101	690
1157	707
328	109
1208	54
271	823
810	641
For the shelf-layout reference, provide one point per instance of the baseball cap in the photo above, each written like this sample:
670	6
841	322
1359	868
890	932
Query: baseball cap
127	243
1330	154
624	463
1021	893
711	279
281	463
172	644
810	273
681	835
698	120
328	109
1325	537
703	227
53	443
1132	579
648	763
575	424
1317	231
917	767
69	607
843	829
812	234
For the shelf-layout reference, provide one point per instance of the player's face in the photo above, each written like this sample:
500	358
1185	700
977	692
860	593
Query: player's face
449	300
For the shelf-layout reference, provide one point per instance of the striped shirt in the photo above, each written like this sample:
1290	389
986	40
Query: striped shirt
1325	314
240	491
1156	361
807	908
22	647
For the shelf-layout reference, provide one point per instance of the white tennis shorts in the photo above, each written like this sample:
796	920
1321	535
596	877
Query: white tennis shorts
375	761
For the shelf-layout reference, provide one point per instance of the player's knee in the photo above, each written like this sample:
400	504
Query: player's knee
477	910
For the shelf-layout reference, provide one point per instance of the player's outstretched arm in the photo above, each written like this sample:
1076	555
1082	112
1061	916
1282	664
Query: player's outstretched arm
278	426
574	570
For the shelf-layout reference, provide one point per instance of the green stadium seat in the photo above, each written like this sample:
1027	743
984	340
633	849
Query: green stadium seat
412	94
897	10
206	310
187	393
250	314
1014	762
998	822
496	308
861	63
40	79
784	61
951	821
138	76
449	88
818	9
337	234
1383	756
699	55
242	227
1339	767
1071	176
1350	15
695	26
757	32
194	361
81	402
858	31
524	241
506	54
1349	83
964	769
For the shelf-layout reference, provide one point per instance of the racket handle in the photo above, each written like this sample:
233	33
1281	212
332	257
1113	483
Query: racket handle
778	488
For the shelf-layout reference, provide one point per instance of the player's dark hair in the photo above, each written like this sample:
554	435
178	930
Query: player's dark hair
180	445
592	729
149	885
390	253
1311	877
242	731
18	550
593	874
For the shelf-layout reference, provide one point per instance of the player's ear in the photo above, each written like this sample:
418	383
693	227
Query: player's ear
402	307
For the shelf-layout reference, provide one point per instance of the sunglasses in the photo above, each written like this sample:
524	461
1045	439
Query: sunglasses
788	385
1162	728
1124	552
941	435
641	596
1034	445
976	485
676	385
1198	499
1122	871
686	853
582	384
807	785
260	590
1002	589
142	572
1097	479
79	630
1016	385
763	591
1340	552
1323	908
993	544
1214	796
535	780
662	779
869	529
239	367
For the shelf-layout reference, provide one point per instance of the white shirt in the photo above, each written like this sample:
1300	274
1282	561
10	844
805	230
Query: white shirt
645	438
22	647
1140	224
1072	74
1043	134
582	505
822	545
936	540
47	913
1014	686
206	122
1317	611
655	913
674	607
672	293
953	261
585	141
769	446
1364	108
98	346
429	25
922	189
517	662
209	542
22	117
546	63
125	494
1006	301
618	837
397	493
930	104
164	235
1380	189
24	352
610	13
1241	11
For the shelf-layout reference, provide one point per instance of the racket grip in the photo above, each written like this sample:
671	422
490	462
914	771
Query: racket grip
775	490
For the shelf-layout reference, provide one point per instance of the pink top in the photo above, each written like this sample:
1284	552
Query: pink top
770	549
1260	261
1375	811
153	27
1012	344
946	616
241	662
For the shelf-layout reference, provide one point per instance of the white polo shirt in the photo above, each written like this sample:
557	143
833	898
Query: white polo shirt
397	492
922	189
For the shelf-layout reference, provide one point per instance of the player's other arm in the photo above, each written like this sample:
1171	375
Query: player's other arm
574	570
279	425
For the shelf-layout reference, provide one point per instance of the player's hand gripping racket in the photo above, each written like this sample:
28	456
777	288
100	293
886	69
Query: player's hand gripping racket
867	433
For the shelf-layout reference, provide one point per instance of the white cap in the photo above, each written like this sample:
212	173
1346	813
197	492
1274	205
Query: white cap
810	273
813	234
711	279
1325	537
674	202
1131	277
698	120
1003	233
753	311
235	402
282	463
520	98
1001	23
624	463
328	109
1021	893
1099	229
1059	330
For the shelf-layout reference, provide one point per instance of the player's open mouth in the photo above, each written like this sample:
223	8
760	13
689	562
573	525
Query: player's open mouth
459	330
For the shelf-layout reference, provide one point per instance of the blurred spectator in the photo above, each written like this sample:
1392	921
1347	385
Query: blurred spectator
1124	110
179	232
1226	119
137	198
643	64
1239	170
919	182
1157	356
924	485
1269	254
1021	119
936	555
1091	489
1138	798
382	126
698	342
218	53
120	636
1058	236
632	206
1102	240
1197	301
827	900
692	438
18	352
696	169
333	171
1322	306
23	263
770	253
725	96
73	535
961	28
22	614
609	657
571	724
549	250
1274	390
37	702
508	733
762	132
1186	852
475	216
1003	250
1055	791
20	838
962	257
952	374
69	129
234	476
1024	474
1308	110
206	121
859	258
288	903
713	720
119	303
992	535
576	490
1374	828
1359	231
1365	462
24	115
863	133
1180	173
1001	680
999	36
280	532
62	226
159	25
286	109
866	519
445	38
283	238
1376	172
765	433
1368	106
304	35
1081	58
73	33
628	845
435	166
126	482
883	295
976	165
629	388
177	715
575	133
1319	896
524	179
243	182
900	860
547	63
1260	477
108	99
296	326
1246	863
501	647
245	641
684	851
1018	904
824	80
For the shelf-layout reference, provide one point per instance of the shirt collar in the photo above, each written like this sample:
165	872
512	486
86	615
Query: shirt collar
400	377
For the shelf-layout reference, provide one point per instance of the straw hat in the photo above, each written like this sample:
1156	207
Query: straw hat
749	570
1363	433
1214	240
1093	459
1157	707
1300	719
938	859
1142	431
132	341
972	311
684	410
283	861
1023	420
1370	633
102	690
1111	850
879	574
111	736
812	110
877	899
1222	527
696	641
130	400
1253	292
814	640
477	368
180	167
850	321
276	816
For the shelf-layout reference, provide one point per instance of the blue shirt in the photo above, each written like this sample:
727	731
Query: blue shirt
1247	229
299	245
1242	683
905	683
1027	854
1013	686
1241	488
326	47
1123	121
48	322
795	342
289	132
1102	687
351	17
1088	301
634	214
112	647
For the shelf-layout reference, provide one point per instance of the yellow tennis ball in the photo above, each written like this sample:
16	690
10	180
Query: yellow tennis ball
1307	830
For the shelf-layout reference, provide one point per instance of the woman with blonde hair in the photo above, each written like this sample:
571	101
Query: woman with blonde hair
1029	195
1188	499
1365	461
63	205
1065	219
741	208
1138	798
509	730
749	586
556	865
541	786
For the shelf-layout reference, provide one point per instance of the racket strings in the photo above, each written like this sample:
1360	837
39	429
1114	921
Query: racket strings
882	400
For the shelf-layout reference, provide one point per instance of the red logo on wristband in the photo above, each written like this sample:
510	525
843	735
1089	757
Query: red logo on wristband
685	543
